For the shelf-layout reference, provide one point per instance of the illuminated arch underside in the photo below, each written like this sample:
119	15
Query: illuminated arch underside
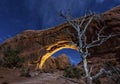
53	49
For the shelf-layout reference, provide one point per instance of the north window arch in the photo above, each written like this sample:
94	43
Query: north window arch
53	49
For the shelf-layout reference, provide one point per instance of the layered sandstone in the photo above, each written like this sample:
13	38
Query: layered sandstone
35	42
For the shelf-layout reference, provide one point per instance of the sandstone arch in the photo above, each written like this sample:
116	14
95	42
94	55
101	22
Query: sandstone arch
54	48
34	43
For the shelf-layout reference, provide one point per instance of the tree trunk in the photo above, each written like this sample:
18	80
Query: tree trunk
88	78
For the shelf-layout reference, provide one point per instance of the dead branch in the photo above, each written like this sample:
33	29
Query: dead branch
83	46
100	73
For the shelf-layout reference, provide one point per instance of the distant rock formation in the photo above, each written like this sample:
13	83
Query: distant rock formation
58	63
62	61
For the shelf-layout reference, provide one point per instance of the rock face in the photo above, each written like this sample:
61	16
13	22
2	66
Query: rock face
33	43
52	63
62	61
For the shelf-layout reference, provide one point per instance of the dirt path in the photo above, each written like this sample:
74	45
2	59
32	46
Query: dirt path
43	78
12	76
46	78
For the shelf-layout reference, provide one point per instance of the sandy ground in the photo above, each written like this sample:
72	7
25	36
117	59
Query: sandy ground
12	76
45	78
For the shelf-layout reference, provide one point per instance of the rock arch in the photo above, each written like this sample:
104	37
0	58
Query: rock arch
54	48
37	43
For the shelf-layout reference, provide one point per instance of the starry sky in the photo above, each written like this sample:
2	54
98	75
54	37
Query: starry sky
19	15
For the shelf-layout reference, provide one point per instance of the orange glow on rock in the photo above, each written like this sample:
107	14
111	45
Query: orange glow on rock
53	49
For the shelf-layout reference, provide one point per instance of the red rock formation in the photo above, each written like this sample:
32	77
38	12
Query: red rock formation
34	42
62	61
52	63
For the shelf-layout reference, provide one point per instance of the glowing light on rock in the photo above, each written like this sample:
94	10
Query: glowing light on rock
53	49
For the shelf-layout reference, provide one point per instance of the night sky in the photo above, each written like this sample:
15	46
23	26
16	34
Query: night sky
19	15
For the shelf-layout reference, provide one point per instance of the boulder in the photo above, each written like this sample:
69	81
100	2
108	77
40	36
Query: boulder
62	61
49	65
52	63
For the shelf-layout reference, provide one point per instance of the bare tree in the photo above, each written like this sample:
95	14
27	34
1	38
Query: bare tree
83	45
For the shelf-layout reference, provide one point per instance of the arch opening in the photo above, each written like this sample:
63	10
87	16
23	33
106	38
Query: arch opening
53	49
73	55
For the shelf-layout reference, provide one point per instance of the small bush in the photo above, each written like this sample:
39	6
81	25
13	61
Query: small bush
1	62
12	59
25	72
96	81
5	83
72	72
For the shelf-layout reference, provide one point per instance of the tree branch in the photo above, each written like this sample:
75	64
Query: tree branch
87	25
101	72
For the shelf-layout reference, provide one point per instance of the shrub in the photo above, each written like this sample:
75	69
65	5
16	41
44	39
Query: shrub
12	59
25	72
72	72
96	81
1	62
5	83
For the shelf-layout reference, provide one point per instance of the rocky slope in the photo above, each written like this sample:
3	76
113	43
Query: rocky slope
34	42
58	63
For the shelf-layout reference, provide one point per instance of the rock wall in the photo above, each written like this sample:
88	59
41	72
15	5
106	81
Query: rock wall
33	43
58	63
